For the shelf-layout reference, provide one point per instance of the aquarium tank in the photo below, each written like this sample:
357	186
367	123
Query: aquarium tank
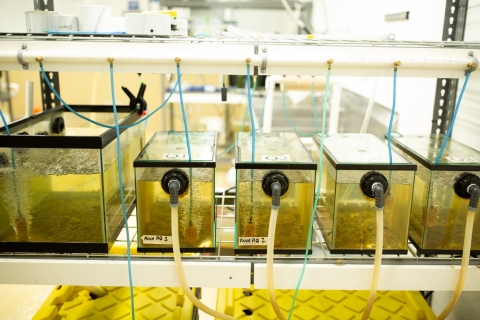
281	157
346	211
59	180
440	204
164	157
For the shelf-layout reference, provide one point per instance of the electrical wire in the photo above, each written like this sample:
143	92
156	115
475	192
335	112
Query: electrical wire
102	124
319	184
449	132
122	197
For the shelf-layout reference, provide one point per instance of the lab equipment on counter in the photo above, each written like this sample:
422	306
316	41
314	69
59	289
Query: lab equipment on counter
282	158
440	197
352	163
165	158
59	189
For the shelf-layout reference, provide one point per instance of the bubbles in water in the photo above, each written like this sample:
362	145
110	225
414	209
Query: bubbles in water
17	200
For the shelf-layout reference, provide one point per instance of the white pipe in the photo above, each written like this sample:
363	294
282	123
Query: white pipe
376	265
28	98
268	112
467	243
289	10
368	113
177	256
236	54
270	276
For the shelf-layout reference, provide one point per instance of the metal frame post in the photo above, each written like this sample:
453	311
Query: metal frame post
446	92
48	98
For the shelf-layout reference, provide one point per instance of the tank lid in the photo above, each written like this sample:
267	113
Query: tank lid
276	150
168	149
425	148
360	151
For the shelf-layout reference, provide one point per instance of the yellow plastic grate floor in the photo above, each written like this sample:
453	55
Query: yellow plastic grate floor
76	303
338	305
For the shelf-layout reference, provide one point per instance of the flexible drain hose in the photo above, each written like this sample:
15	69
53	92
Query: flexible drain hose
276	190
377	188
474	190
174	186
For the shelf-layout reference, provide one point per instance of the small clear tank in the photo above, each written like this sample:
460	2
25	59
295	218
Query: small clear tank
165	156
439	208
59	189
280	156
346	214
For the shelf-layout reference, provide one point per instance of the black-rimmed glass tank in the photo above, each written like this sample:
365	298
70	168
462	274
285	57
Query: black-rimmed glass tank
440	203
279	157
346	210
59	180
165	157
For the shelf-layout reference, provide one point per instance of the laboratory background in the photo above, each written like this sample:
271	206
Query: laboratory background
252	159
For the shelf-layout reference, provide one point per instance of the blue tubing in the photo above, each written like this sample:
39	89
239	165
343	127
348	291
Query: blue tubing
122	197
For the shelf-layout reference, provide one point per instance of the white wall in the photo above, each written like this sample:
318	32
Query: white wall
415	96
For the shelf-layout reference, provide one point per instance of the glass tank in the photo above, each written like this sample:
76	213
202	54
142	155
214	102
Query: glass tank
166	155
59	180
279	156
346	213
439	209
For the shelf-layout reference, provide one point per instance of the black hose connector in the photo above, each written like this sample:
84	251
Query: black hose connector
58	125
272	177
474	191
369	179
379	192
463	182
178	175
276	194
173	188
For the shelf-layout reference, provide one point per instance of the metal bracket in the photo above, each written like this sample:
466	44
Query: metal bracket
475	63
263	67
20	57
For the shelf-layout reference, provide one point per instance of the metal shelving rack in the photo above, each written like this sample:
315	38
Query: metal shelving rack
219	56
